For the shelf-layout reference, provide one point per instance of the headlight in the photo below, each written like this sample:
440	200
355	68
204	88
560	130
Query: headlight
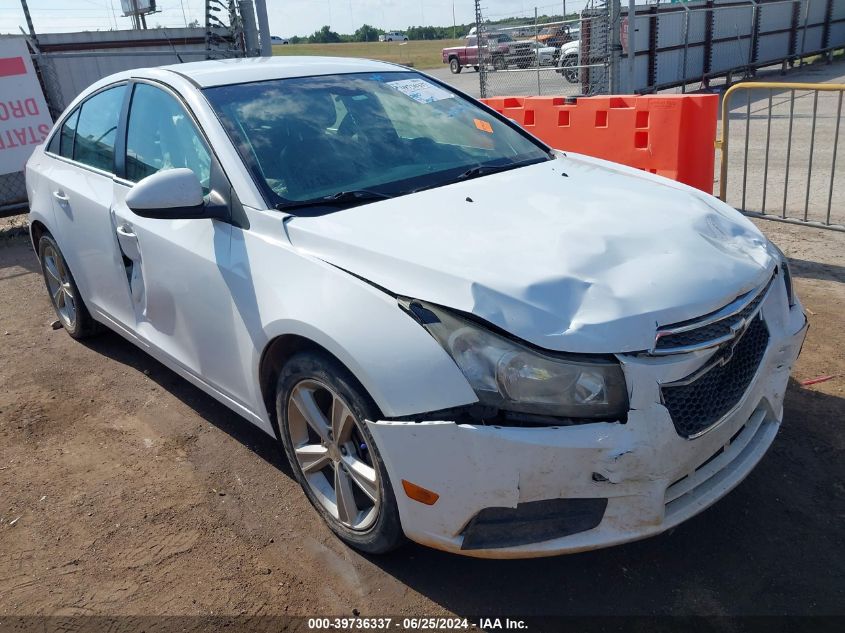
787	274
514	377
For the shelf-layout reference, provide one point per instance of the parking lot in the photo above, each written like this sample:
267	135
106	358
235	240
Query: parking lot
125	491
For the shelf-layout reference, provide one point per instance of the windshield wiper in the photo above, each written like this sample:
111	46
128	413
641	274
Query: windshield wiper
341	198
480	170
483	170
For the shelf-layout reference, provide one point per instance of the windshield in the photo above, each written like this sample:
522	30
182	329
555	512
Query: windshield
386	134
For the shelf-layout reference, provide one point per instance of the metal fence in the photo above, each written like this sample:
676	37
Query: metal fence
585	49
12	193
786	138
538	54
698	41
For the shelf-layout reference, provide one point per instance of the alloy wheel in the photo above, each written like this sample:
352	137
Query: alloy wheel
333	455
60	286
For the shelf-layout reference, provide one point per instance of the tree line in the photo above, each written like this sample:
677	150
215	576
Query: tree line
368	33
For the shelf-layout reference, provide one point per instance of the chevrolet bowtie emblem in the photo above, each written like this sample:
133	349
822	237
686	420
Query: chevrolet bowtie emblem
726	353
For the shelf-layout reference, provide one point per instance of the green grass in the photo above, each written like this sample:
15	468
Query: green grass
418	53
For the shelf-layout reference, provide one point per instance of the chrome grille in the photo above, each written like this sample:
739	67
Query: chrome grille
712	329
702	399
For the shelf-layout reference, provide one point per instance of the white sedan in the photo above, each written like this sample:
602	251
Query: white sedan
457	334
547	54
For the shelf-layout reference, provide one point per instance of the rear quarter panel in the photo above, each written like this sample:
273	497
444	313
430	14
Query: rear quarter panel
38	190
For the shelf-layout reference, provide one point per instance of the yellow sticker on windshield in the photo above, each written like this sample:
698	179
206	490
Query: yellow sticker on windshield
484	126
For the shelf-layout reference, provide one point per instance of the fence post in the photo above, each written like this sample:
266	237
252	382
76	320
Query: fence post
708	40
28	18
615	46
753	42
804	34
653	21
828	17
632	45
686	48
481	42
537	53
793	28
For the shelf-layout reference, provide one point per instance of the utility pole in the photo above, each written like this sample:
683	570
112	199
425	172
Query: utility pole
136	16
263	28
251	38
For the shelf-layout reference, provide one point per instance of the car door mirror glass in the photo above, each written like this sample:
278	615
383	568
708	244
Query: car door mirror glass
168	194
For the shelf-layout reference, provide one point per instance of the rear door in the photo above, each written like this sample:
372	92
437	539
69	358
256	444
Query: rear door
81	176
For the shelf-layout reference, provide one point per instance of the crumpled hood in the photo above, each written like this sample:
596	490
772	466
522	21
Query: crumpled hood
589	262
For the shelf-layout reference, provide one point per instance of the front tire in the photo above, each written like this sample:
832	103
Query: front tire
455	66
569	70
321	410
64	294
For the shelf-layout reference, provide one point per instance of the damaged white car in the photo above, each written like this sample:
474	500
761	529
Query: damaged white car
459	335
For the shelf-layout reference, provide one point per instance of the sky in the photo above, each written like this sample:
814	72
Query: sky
287	17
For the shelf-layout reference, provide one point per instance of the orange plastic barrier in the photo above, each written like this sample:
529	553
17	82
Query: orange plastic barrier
669	135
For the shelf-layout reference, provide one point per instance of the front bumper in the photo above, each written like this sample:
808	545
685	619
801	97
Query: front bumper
651	478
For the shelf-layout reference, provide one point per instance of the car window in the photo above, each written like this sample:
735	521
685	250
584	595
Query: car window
161	135
53	145
96	129
62	141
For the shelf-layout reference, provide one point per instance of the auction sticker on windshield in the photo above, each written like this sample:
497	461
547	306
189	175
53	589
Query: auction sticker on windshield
421	90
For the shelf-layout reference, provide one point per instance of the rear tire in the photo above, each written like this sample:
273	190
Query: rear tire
63	291
455	66
321	409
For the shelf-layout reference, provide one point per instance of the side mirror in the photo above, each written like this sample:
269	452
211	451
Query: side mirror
172	194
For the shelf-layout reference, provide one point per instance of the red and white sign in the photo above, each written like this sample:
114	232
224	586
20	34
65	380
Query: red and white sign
24	118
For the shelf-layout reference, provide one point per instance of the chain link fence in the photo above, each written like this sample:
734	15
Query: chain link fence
566	53
12	194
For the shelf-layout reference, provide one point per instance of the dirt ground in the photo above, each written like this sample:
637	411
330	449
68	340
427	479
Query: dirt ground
124	490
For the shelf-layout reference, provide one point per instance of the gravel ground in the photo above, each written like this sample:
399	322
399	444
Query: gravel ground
124	490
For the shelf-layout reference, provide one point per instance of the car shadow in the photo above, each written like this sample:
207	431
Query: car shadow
12	246
122	351
814	270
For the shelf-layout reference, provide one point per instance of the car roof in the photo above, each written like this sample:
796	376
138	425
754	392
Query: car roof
221	72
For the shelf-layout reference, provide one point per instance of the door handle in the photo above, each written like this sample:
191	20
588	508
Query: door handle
60	196
125	231
128	242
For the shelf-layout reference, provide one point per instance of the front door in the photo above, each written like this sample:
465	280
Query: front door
177	269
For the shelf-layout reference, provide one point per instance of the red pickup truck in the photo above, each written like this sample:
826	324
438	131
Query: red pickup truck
505	51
